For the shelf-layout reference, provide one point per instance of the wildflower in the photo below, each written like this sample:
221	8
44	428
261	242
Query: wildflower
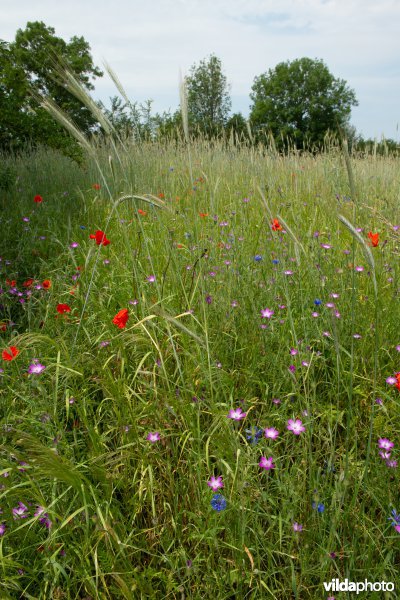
74	245
253	435
234	303
292	368
9	356
27	283
236	414
35	367
258	257
392	464
296	426
275	261
121	318
379	401
320	507
293	351
215	483
276	400
208	299
151	278
297	527
359	269
38	199
385	444
2	529
153	437
266	463
276	226
266	313
391	380
96	186
104	344
271	433
218	502
63	308
19	512
100	238
374	237
46	284
326	246
315	315
395	520
203	215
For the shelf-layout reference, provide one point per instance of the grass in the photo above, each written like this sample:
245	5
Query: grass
133	519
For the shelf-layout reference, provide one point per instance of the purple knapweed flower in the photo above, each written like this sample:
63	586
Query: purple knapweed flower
296	426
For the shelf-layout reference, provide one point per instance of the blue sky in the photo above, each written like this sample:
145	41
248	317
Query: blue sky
148	43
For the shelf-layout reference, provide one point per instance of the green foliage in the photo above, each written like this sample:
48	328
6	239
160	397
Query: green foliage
28	67
299	102
209	102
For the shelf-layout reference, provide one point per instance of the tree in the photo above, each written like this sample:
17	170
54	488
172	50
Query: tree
299	102
28	67
209	102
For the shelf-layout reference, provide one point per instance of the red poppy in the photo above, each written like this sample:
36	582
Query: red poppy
3	326
63	308
374	237
11	282
276	226
160	195
142	212
46	284
10	355
38	199
96	186
121	318
100	238
28	283
203	214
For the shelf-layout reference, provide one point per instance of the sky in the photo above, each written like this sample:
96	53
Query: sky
149	42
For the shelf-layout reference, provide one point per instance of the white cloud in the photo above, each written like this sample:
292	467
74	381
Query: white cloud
148	42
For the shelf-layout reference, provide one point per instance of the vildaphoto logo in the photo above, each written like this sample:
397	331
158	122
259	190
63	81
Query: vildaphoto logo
358	586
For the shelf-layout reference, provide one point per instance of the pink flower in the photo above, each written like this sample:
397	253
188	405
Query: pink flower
271	433
236	414
267	313
153	437
266	463
215	483
296	426
385	444
297	527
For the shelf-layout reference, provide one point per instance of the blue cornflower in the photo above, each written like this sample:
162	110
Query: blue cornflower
258	257
320	507
395	518
275	261
317	302
253	435
218	502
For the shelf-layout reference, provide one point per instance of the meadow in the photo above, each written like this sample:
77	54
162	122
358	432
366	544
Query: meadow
199	383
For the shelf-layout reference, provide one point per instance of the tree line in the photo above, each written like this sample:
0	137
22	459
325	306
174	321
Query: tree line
297	103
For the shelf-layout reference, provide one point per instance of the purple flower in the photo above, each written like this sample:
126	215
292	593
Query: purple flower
74	245
359	269
266	463
153	437
35	368
19	512
292	368
215	483
208	299
236	414
2	528
385	444
151	278
271	433
391	380
297	527
296	426
391	464
104	344
267	313
326	246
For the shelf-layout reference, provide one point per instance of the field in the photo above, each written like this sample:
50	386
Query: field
198	389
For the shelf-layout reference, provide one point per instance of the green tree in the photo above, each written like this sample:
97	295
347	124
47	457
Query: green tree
28	67
299	102
209	101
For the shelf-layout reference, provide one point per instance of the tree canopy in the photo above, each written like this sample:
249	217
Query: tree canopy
209	101
28	66
300	101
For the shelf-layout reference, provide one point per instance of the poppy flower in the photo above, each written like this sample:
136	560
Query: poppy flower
374	237
46	284
28	283
38	199
11	282
142	212
121	318
100	238
203	215
160	195
63	308
276	226
96	186
13	352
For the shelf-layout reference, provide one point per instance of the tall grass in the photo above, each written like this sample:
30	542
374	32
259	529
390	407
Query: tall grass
132	519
